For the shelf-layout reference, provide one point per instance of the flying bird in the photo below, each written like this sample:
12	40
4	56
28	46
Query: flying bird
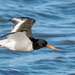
21	39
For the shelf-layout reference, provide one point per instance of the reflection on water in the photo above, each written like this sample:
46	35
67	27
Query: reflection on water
55	22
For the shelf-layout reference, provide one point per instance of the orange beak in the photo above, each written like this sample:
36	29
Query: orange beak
49	46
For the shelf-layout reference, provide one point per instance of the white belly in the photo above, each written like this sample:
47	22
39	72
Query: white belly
22	45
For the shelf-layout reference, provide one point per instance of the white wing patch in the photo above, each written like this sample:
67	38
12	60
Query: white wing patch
17	20
18	25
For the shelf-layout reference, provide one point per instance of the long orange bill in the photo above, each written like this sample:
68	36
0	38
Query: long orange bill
49	46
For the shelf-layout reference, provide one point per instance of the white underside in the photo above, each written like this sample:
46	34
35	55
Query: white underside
17	41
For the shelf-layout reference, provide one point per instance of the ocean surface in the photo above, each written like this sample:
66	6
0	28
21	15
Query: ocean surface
55	22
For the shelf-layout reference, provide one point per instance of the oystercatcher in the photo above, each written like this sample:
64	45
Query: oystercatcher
21	38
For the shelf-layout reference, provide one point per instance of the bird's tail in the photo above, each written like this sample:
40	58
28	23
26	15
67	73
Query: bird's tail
1	46
2	43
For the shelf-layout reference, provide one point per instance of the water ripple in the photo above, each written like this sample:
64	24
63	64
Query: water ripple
55	22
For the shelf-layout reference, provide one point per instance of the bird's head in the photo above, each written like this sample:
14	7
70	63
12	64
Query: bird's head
42	43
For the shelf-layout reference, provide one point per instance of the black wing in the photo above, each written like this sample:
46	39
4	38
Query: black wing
26	25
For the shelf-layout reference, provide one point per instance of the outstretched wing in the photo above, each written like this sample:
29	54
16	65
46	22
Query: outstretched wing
23	23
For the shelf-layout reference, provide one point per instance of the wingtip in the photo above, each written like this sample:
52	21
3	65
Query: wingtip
31	19
9	19
25	18
28	18
34	20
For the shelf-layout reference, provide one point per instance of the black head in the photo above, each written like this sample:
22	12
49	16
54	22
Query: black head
39	43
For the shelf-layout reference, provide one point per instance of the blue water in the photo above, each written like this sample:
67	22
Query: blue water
55	22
